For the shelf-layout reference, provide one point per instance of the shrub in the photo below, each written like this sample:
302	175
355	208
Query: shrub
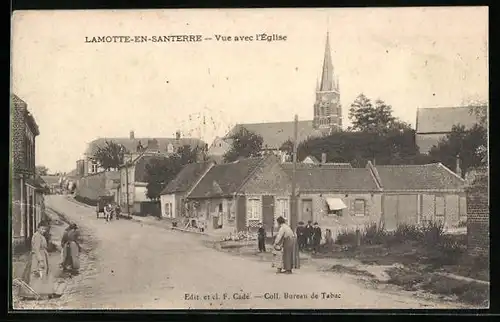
346	237
432	233
374	234
406	232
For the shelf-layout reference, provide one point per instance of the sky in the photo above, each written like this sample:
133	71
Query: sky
77	91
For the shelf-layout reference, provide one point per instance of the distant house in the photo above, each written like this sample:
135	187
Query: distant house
135	146
173	197
273	134
434	124
133	175
310	159
418	194
52	183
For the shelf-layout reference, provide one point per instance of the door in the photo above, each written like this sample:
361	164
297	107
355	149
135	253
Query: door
268	213
307	213
241	213
390	212
407	209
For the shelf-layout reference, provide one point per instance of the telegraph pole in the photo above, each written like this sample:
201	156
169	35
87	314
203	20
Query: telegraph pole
293	201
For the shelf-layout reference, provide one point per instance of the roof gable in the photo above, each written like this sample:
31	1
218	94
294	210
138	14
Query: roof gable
186	178
433	176
276	133
228	178
442	119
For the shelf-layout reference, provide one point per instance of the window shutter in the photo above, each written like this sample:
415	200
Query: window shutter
351	208
368	206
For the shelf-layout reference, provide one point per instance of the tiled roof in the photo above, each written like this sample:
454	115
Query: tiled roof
331	178
275	134
225	179
433	176
186	178
131	144
300	165
140	166
17	101
51	180
442	119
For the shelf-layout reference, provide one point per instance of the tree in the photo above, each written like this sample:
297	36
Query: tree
367	117
287	146
160	171
110	156
41	170
245	144
469	145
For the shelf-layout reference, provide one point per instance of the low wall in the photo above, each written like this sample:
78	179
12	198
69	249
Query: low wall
94	185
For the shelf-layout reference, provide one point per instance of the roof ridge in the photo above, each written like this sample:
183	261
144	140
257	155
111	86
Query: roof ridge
405	165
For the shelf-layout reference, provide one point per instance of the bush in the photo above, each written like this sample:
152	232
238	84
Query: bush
406	232
346	237
373	234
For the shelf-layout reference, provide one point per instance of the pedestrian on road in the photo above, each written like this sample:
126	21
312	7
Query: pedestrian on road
301	235
316	237
71	249
308	232
287	240
37	271
261	238
108	209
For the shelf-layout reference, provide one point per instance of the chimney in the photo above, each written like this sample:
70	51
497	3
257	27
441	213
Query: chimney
132	136
177	135
458	171
323	158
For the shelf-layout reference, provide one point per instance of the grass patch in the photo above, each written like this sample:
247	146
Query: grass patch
465	291
350	270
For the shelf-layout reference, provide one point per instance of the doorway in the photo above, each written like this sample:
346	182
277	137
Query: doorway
307	213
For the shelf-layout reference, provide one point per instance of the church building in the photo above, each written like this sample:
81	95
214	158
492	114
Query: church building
327	117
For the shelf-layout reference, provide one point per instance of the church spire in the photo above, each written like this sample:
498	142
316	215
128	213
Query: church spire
327	80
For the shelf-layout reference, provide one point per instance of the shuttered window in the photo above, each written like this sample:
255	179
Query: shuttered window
254	209
359	207
282	208
439	206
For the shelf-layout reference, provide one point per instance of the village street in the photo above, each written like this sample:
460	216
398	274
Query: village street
134	266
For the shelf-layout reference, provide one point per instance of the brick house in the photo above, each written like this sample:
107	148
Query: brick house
237	196
416	194
27	191
336	196
478	216
173	197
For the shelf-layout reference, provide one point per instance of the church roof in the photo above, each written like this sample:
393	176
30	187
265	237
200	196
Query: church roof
327	76
442	119
274	134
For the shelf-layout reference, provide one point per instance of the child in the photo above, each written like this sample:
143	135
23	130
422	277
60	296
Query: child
278	259
262	238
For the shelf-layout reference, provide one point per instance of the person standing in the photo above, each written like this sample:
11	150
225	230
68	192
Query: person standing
37	271
287	240
316	237
308	232
261	237
71	249
301	235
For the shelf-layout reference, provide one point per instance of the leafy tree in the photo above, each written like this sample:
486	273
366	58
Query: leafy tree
367	117
42	170
469	145
110	156
160	171
245	144
287	146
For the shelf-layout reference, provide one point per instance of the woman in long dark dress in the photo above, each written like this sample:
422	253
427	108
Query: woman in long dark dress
71	249
287	240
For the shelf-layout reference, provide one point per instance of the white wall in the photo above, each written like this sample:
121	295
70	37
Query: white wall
140	194
168	199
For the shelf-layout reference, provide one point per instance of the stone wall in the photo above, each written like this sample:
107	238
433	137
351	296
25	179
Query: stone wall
99	184
478	218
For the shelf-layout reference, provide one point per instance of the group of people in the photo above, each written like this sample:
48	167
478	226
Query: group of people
37	274
112	211
309	236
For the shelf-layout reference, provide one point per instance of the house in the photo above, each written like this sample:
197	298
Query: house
237	196
52	183
27	188
132	191
326	110
172	198
310	159
336	196
135	146
434	124
418	194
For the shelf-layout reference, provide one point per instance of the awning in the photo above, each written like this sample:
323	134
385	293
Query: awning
335	203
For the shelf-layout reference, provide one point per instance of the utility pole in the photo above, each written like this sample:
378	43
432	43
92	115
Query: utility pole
293	201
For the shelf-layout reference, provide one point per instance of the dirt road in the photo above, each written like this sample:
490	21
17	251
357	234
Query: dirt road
131	265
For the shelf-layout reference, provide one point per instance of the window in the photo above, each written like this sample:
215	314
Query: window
439	206
168	210
282	208
359	207
171	211
220	207
254	209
